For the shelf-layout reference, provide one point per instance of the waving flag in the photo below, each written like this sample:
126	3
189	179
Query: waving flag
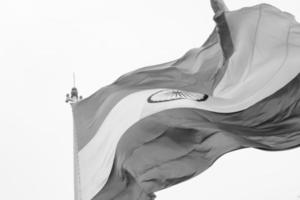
160	125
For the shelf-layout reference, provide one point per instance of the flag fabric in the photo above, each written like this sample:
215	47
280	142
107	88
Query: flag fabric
160	125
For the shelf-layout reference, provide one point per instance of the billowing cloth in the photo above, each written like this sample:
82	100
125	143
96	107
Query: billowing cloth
160	125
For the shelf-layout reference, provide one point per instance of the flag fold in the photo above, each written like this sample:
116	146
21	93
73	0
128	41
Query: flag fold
160	125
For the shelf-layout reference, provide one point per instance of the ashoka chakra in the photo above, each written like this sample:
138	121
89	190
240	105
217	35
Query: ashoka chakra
171	95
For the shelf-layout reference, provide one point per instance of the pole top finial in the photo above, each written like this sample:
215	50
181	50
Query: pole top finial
74	80
73	96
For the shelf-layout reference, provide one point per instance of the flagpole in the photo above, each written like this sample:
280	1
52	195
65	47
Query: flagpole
72	98
77	192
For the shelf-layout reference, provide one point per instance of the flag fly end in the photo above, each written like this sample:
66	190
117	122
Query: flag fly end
218	6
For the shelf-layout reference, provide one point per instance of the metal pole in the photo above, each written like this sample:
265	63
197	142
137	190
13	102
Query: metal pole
74	79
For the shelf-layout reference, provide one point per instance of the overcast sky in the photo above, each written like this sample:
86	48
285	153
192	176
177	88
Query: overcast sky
43	42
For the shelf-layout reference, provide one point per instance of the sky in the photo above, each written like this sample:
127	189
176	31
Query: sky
43	42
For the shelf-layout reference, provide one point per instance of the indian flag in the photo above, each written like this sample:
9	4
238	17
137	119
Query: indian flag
160	125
